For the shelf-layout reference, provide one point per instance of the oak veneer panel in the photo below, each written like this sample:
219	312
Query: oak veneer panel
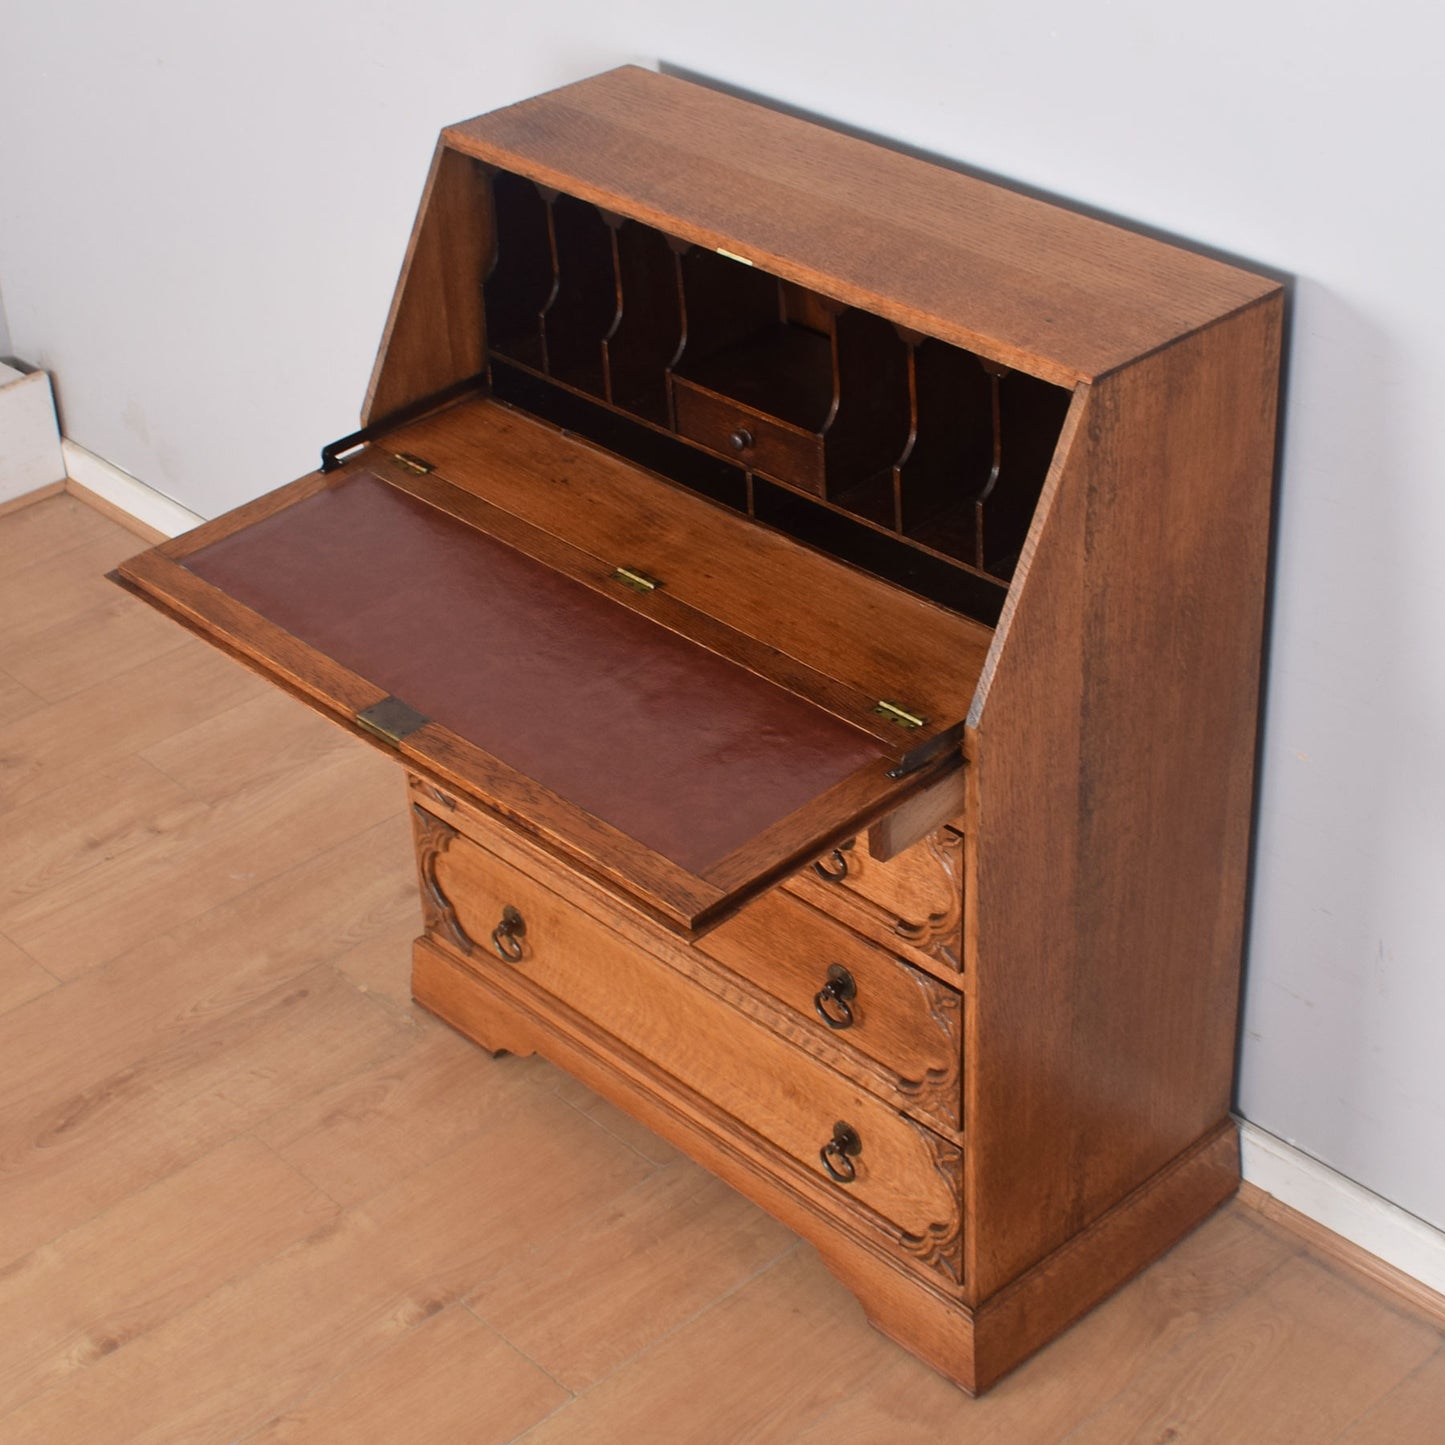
663	889
502	1013
778	950
914	885
912	904
435	331
1089	1266
661	606
872	637
1109	1012
920	816
871	227
908	1025
1110	714
906	1172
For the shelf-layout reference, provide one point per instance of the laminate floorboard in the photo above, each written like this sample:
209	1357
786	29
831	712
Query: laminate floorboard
21	978
249	1192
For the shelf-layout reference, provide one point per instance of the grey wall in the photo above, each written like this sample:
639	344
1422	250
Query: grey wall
201	241
4	329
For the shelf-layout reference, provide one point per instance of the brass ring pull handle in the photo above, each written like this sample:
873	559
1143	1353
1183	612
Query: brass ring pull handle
839	1153
833	868
833	1001
508	934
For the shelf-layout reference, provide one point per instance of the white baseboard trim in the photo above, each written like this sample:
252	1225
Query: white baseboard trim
1343	1207
151	508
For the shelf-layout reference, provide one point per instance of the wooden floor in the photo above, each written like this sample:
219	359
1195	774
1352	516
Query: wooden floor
249	1192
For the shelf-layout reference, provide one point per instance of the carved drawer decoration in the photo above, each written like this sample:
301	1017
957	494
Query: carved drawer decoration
915	898
905	1180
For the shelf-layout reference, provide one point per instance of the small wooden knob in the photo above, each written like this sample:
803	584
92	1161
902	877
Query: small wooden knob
741	439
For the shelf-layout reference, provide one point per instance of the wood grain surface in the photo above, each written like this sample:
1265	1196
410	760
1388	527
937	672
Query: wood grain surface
1114	762
905	1172
976	264
443	1246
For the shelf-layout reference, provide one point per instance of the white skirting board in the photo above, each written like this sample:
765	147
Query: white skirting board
122	490
1343	1207
29	438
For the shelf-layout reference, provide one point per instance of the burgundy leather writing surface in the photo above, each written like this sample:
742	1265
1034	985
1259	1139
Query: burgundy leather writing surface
677	747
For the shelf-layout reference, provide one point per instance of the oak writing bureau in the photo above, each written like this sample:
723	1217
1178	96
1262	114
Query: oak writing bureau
816	598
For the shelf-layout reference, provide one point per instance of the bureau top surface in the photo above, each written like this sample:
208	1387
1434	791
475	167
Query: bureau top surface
1028	283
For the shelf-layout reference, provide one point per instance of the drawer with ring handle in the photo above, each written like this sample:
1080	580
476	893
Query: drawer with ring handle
914	898
507	936
839	1153
520	937
833	1003
853	998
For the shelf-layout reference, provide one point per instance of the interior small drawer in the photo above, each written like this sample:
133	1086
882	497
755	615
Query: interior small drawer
915	898
504	924
762	443
852	995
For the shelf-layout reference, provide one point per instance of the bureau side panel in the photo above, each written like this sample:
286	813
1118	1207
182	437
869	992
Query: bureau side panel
434	333
1114	759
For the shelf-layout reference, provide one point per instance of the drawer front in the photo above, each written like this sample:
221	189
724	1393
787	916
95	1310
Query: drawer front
915	898
907	1176
852	995
774	448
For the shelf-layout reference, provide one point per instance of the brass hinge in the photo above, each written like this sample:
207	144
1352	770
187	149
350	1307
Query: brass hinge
638	581
415	465
390	720
899	715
